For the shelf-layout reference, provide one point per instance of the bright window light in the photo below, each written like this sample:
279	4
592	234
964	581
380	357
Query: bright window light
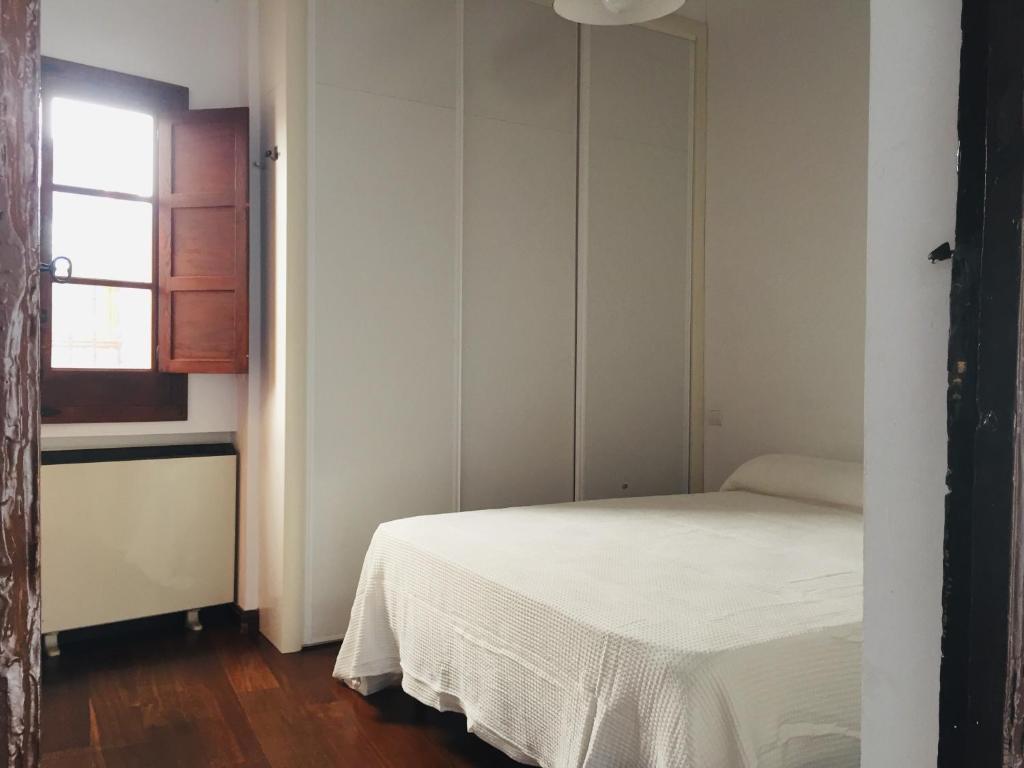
105	238
97	326
100	147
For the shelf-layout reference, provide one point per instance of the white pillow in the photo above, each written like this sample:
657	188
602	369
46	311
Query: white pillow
804	478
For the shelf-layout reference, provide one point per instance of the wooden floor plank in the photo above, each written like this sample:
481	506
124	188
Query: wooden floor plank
221	699
73	758
66	720
247	672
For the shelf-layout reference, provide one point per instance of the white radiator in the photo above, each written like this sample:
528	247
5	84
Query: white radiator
128	533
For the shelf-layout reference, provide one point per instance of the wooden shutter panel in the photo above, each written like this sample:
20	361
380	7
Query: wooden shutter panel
204	241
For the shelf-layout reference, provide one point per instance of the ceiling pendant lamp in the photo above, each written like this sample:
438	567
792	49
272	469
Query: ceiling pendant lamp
612	12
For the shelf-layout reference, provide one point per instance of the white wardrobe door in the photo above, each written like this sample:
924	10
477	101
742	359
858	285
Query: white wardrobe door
384	303
519	230
635	198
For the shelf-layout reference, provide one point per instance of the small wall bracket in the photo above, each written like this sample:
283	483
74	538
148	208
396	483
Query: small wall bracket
271	155
943	253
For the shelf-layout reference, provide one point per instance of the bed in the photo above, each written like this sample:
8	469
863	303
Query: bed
700	631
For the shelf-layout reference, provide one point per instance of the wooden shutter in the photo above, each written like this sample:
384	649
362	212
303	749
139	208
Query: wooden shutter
203	241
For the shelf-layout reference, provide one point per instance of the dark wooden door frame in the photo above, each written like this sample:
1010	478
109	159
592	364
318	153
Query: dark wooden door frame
982	694
19	386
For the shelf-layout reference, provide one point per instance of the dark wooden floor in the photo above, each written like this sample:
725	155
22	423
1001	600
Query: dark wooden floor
167	697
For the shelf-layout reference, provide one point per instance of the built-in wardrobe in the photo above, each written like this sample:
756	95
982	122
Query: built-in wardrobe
501	242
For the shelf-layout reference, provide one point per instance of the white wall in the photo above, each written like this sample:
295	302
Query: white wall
695	9
636	177
786	197
203	45
384	305
519	255
915	47
282	329
443	271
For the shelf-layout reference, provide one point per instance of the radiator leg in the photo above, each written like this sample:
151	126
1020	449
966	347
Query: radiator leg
192	621
50	645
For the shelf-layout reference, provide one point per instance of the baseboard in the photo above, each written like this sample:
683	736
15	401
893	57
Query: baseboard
248	620
315	642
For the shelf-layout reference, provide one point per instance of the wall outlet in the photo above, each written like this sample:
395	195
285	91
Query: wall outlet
715	418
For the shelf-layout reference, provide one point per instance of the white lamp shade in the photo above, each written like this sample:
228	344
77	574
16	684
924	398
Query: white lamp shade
612	12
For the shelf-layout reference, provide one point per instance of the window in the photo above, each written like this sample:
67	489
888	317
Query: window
101	219
149	203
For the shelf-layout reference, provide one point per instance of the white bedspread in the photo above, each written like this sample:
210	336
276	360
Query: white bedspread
705	631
